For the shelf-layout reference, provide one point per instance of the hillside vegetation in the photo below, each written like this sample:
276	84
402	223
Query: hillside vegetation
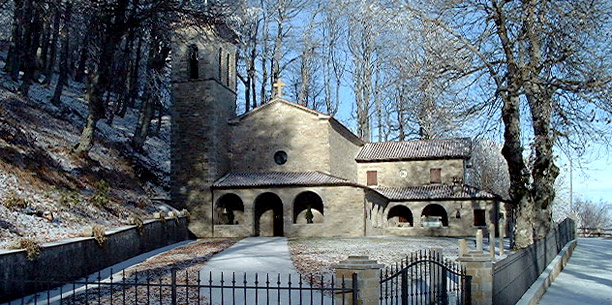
47	193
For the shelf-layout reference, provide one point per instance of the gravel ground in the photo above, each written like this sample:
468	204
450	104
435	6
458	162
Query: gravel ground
315	256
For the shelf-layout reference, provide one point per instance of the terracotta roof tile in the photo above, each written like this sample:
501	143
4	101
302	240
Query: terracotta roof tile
267	179
416	150
433	192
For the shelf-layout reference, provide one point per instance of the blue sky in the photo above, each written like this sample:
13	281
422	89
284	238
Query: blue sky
592	175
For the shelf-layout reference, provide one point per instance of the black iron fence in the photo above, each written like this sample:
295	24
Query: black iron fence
185	288
425	277
513	275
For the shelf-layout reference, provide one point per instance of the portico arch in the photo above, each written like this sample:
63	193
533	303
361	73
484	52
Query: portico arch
435	211
400	215
304	202
268	215
229	210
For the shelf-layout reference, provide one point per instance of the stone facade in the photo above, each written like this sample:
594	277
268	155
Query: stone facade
383	224
411	173
202	106
342	212
315	177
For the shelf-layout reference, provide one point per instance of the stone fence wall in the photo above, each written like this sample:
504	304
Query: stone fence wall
513	275
78	257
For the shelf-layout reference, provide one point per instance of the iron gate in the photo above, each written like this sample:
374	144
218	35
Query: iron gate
425	277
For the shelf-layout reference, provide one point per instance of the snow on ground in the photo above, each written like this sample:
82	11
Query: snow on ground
39	174
315	256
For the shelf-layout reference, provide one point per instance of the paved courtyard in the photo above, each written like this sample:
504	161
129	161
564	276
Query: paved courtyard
587	278
266	257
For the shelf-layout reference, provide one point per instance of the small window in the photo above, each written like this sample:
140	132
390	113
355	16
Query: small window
372	177
479	218
280	157
435	175
194	62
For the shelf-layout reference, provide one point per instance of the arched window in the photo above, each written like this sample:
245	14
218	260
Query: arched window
194	62
432	214
400	215
307	208
227	70
220	61
229	210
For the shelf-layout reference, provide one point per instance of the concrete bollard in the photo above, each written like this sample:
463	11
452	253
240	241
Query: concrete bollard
492	242
462	247
479	240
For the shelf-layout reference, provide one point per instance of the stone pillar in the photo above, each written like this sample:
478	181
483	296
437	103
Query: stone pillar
478	265
368	279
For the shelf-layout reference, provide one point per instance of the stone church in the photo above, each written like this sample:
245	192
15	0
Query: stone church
286	170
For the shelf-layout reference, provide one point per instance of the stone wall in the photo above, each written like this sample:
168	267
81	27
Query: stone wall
342	214
417	172
281	127
463	226
200	132
343	148
78	257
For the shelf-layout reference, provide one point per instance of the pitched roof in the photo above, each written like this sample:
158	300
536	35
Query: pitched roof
335	123
267	179
434	192
416	150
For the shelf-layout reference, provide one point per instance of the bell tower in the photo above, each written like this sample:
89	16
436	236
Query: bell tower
204	90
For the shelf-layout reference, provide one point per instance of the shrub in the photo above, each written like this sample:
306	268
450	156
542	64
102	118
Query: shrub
101	196
138	223
14	202
98	234
70	198
31	247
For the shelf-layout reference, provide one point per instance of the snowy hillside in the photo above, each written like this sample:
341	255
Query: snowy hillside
46	193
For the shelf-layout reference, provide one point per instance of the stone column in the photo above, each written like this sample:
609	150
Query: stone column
478	265
368	279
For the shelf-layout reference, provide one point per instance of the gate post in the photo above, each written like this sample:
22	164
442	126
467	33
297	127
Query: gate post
368	279
479	266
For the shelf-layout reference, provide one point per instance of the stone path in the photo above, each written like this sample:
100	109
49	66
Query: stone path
587	278
263	259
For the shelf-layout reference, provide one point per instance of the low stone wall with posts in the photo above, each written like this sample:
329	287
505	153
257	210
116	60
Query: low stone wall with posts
78	257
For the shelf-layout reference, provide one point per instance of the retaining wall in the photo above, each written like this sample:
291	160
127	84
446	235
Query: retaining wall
74	258
513	275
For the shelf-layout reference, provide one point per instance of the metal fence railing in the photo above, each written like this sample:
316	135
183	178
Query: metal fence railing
514	275
185	288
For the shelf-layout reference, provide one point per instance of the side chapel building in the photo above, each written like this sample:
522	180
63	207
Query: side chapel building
287	170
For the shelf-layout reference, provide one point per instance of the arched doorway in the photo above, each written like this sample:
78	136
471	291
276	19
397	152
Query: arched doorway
229	210
433	213
307	208
400	215
268	215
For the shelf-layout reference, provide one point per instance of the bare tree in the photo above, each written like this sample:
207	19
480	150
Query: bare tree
489	170
543	56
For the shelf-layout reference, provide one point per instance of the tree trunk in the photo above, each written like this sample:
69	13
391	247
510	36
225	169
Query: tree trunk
14	56
50	66
63	73
83	54
513	153
30	45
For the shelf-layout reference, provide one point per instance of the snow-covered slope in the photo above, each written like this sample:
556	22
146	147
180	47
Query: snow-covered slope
39	176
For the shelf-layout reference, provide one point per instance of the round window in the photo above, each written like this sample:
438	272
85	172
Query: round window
280	157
